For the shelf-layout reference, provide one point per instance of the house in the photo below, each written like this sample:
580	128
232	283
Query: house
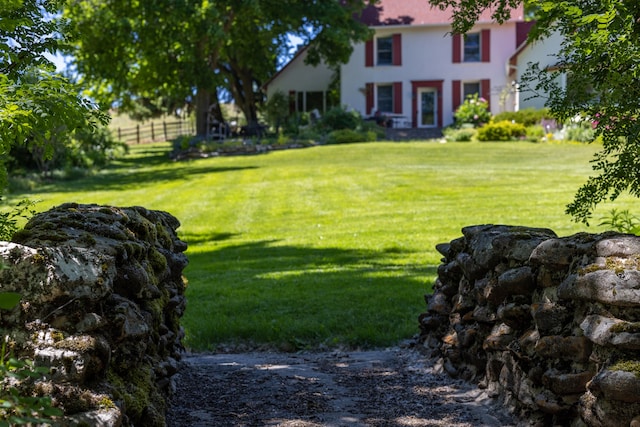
415	70
540	52
307	86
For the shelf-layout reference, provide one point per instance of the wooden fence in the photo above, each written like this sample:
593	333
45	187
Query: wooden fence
155	131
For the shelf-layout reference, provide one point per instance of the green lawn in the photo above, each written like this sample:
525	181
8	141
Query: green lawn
331	245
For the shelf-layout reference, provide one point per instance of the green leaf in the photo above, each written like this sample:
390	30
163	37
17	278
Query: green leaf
8	300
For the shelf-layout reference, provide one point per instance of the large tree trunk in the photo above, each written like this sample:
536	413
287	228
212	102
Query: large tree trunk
241	87
207	103
203	100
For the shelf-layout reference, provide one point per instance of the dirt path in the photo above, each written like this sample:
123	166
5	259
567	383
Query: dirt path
395	387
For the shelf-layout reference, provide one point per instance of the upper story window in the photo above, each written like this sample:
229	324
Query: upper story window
385	50
472	49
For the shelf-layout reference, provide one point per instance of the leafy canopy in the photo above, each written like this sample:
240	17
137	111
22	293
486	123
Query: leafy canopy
155	55
37	106
601	56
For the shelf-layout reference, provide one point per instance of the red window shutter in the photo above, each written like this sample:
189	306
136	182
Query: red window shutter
397	49
457	48
292	101
485	91
369	98
485	40
397	97
456	97
368	53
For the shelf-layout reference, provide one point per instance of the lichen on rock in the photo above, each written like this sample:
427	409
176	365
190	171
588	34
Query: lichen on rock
101	288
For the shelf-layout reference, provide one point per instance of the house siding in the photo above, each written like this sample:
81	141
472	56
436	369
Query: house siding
297	76
427	54
543	53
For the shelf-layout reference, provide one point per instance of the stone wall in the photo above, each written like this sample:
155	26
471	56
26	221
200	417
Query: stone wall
549	325
102	294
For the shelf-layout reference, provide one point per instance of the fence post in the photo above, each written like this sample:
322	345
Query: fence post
153	133
137	134
164	130
119	135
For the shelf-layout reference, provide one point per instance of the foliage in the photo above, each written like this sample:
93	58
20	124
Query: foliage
600	52
464	134
38	108
9	220
534	133
622	221
343	136
527	116
16	407
338	118
85	149
579	130
205	46
276	110
474	110
500	131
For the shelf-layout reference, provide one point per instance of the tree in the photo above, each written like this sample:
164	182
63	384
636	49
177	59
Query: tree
163	53
601	56
37	106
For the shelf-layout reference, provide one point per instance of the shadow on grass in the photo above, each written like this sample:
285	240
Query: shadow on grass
262	294
121	177
196	239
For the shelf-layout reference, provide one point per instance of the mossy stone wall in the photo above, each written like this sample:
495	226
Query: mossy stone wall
549	325
102	295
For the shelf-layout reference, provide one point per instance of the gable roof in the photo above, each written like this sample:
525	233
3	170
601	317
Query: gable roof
418	12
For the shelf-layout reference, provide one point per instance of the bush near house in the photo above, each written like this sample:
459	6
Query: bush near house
343	136
527	117
474	110
464	134
534	133
338	118
580	131
501	131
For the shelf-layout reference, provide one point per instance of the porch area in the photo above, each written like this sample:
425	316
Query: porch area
395	134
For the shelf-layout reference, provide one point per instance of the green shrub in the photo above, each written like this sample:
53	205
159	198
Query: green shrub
534	133
344	136
580	132
527	117
622	222
276	110
372	126
17	405
500	131
474	110
459	135
338	118
9	220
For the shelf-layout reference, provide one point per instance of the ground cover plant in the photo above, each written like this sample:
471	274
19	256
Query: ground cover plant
330	245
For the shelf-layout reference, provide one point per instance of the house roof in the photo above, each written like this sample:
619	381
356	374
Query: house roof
417	12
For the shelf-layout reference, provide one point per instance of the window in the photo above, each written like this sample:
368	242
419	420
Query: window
385	50
472	47
309	101
385	98
470	88
315	101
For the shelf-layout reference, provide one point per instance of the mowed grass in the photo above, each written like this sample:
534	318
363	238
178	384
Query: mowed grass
331	245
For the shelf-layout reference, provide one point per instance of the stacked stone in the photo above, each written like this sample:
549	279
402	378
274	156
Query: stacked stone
102	295
548	324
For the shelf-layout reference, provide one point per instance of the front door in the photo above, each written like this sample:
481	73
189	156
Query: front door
427	107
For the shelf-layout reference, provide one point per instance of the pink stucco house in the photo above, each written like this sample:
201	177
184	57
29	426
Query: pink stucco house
417	71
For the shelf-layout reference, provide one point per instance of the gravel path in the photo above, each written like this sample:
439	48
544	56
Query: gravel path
394	387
